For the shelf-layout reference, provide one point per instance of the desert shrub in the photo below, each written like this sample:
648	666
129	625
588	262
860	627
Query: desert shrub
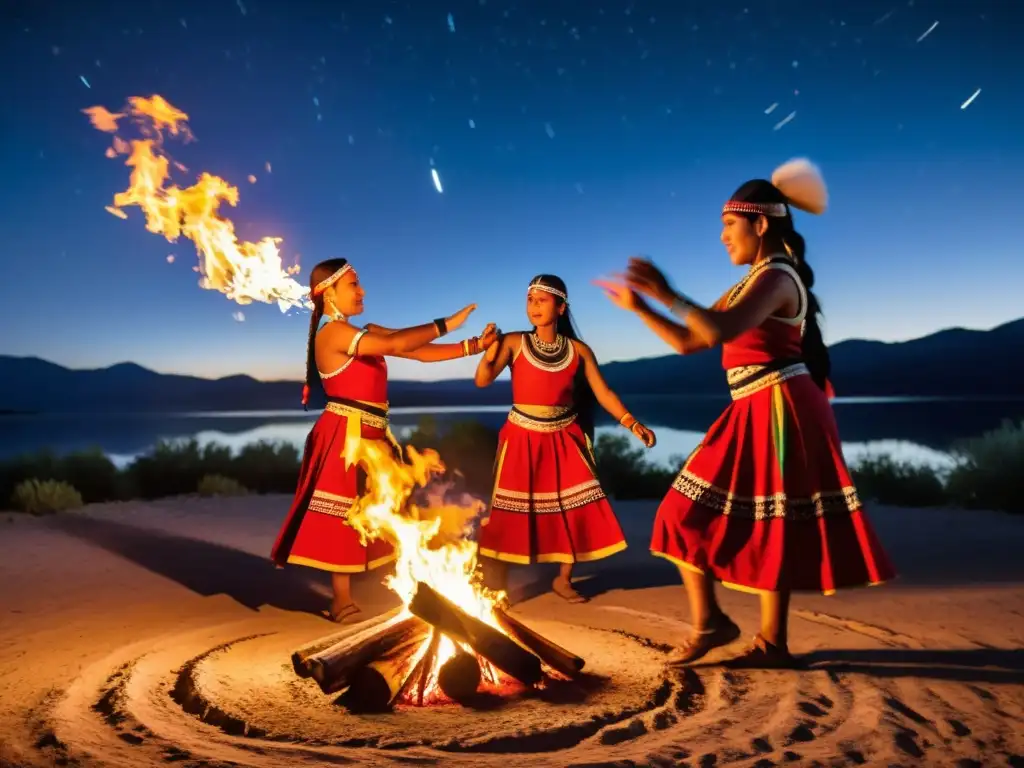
43	466
91	472
989	470
467	448
267	467
175	468
900	483
218	485
626	473
40	497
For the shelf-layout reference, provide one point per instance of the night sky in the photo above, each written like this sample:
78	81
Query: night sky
568	135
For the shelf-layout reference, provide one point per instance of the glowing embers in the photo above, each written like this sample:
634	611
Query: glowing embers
432	653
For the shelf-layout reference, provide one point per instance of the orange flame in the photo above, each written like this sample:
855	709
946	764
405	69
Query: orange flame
431	541
243	271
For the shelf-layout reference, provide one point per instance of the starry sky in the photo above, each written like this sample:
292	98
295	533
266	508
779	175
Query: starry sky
567	135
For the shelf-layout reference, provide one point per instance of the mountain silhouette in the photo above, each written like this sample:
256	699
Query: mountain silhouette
951	363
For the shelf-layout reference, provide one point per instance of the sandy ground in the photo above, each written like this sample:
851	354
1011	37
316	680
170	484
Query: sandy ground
107	613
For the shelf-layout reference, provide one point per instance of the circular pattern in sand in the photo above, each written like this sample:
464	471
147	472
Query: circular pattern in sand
249	687
226	695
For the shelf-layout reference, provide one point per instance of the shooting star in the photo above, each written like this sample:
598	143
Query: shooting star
968	103
784	120
928	31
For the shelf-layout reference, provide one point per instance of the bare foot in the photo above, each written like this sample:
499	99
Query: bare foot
721	631
763	655
564	589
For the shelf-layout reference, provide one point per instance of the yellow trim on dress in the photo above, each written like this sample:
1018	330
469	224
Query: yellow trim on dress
751	590
555	557
334	568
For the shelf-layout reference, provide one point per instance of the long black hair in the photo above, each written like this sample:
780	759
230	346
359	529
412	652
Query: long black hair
583	395
320	272
782	235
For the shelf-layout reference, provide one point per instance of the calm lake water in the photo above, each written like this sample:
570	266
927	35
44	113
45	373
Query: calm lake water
918	430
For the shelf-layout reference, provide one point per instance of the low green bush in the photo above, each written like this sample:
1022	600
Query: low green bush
626	472
41	497
888	481
218	485
989	470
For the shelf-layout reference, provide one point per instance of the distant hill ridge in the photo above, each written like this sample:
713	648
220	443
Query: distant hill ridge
956	362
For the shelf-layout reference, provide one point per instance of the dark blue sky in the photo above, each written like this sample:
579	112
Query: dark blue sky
568	135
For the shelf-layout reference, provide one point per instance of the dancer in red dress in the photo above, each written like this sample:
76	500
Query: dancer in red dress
350	364
765	503
548	505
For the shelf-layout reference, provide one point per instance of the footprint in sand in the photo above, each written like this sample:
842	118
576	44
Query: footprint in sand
811	709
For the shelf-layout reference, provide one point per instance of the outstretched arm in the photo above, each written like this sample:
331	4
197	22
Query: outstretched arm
770	293
349	340
497	356
434	352
679	337
608	399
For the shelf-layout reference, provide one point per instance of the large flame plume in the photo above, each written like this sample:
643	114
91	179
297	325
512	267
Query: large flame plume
241	270
430	534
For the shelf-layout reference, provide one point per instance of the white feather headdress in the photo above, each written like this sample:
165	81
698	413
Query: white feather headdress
801	182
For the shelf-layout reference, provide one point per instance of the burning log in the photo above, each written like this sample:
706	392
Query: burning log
301	656
502	652
334	667
459	677
555	656
421	675
375	687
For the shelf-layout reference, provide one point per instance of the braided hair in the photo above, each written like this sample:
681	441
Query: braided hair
320	272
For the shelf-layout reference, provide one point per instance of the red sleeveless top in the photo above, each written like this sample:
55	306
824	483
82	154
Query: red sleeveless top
360	378
540	377
777	338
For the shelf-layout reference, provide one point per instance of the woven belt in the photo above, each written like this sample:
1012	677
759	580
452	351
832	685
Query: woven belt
748	379
363	413
358	413
544	418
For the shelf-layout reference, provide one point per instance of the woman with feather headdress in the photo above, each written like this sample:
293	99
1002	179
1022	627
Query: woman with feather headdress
765	503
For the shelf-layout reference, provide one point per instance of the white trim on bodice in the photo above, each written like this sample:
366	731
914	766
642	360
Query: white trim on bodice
745	285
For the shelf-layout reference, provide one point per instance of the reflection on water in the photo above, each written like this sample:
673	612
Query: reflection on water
920	431
673	444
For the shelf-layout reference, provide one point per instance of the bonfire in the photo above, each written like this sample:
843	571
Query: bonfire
452	636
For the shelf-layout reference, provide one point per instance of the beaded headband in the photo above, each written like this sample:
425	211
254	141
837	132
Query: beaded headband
764	209
549	289
327	282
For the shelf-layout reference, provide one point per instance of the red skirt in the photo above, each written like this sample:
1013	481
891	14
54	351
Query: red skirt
766	503
316	532
548	506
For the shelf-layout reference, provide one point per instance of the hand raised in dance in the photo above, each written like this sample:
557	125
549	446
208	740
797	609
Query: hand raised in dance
455	321
645	435
621	295
489	336
642	276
